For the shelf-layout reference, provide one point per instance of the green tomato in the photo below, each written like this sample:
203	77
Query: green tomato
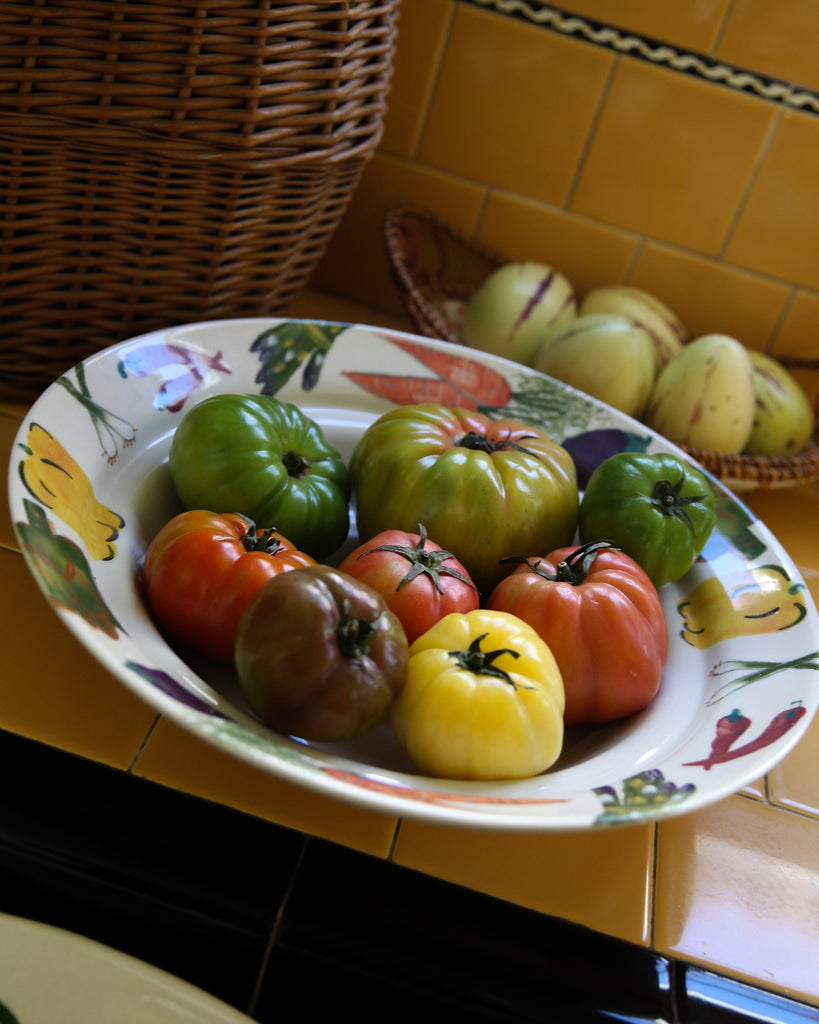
656	508
263	458
485	489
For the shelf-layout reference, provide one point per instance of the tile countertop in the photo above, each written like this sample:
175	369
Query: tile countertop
733	888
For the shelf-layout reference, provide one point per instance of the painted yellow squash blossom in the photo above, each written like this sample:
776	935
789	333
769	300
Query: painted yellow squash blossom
483	699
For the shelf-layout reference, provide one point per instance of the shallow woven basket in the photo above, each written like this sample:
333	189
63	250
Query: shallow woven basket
162	163
436	269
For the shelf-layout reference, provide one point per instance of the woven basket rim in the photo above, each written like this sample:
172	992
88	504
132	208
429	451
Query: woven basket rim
740	469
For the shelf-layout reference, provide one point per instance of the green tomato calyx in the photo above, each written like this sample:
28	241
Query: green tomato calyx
423	561
668	499
481	662
574	569
481	443
296	464
264	541
353	634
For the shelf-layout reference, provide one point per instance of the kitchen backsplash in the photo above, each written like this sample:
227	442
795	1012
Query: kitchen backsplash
673	146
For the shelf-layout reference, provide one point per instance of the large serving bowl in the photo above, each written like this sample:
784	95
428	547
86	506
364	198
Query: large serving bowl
89	487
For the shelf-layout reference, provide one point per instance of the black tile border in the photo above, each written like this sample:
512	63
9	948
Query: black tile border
264	917
655	52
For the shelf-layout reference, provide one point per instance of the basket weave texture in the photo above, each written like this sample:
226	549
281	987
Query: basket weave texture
436	269
163	163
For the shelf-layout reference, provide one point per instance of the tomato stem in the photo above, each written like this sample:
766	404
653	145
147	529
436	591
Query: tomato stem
265	541
422	561
353	634
667	498
296	464
481	443
573	569
480	662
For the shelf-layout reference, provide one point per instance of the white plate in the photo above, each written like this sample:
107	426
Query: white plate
733	700
48	975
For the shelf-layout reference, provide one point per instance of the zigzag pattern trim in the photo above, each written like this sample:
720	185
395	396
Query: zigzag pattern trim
740	79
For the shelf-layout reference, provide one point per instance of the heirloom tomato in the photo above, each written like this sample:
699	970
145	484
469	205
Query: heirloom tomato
264	458
655	507
601	616
483	488
419	581
202	568
483	699
319	655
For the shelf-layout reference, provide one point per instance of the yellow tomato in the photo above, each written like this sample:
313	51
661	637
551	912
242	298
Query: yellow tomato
483	699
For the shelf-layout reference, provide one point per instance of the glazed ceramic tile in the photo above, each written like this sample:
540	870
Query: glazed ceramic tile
737	888
53	690
710	297
799	333
778	225
694	24
671	157
776	39
513	105
588	254
175	758
355	264
601	880
422	33
312	305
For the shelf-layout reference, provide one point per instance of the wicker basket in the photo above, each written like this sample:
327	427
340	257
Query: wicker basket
162	163
436	269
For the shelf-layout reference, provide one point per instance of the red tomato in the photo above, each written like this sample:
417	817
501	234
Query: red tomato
601	616
419	581
202	569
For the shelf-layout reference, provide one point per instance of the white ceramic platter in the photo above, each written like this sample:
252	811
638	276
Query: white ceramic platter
89	487
52	976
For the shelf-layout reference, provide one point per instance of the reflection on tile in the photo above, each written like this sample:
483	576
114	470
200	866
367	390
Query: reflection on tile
55	691
794	782
513	105
355	264
671	157
777	229
422	31
692	25
588	254
776	39
9	425
179	759
610	871
710	297
737	889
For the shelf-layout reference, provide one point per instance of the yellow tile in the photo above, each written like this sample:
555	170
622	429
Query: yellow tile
737	889
710	297
601	879
588	254
513	105
422	29
53	690
9	425
799	334
179	759
794	782
778	227
355	264
791	516
691	25
671	157
775	39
